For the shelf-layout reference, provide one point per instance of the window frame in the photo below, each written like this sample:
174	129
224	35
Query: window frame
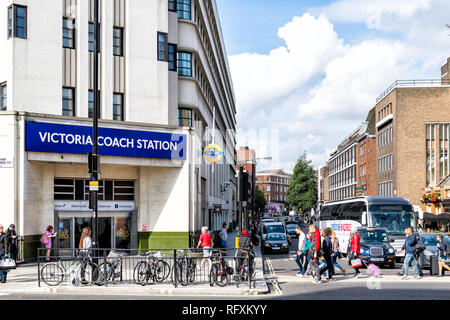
181	9
72	90
121	44
181	68
163	53
3	96
122	106
12	18
172	62
71	31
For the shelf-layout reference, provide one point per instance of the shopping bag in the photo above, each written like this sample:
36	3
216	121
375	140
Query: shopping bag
374	270
356	263
7	264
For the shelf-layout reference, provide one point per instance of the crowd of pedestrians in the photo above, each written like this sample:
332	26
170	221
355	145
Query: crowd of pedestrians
318	253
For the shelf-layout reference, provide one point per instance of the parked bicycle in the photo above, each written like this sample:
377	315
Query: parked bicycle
154	268
185	268
111	272
220	272
81	271
245	264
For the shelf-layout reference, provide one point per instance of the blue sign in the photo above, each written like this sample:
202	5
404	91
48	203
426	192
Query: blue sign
61	138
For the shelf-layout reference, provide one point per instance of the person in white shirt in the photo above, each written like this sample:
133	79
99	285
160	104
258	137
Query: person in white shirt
301	256
85	244
224	236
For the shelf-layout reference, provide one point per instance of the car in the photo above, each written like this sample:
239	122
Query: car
267	216
291	229
375	247
275	242
430	242
268	220
275	227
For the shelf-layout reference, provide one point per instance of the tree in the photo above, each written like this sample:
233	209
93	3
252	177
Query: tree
302	192
260	200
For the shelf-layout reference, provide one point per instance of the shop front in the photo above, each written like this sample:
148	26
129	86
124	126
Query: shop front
144	189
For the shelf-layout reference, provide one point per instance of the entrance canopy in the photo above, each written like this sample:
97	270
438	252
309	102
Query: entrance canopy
444	217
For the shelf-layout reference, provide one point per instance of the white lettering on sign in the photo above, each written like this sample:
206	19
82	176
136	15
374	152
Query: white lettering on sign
76	139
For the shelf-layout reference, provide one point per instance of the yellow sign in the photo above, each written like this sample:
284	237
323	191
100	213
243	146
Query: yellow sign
213	153
93	185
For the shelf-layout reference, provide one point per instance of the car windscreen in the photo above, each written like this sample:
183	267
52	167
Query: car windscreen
429	240
276	237
291	227
275	229
376	235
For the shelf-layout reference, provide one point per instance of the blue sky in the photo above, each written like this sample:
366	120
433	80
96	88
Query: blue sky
251	25
306	73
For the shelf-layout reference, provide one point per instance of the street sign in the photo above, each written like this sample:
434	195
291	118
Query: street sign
93	185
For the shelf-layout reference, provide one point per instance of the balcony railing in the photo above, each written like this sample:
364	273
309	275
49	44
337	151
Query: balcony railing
414	83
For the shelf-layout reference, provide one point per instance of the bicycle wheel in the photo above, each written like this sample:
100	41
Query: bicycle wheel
213	274
52	274
141	273
166	269
100	276
222	276
183	272
178	273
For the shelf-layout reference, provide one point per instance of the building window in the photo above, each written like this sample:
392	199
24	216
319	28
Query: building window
91	104
118	41
68	103
430	136
17	21
118	107
68	33
173	5
162	46
444	160
92	36
172	57
3	92
185	117
184	9
184	64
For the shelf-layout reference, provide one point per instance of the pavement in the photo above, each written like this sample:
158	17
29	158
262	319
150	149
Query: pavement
24	280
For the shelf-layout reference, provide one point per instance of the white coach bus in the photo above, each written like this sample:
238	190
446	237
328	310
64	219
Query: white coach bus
390	213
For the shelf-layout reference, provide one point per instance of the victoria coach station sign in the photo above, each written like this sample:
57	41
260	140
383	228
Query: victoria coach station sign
61	138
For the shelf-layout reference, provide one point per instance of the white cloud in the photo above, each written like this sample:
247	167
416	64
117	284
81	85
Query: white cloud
316	90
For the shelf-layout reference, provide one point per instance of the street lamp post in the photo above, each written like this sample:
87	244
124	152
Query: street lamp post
94	157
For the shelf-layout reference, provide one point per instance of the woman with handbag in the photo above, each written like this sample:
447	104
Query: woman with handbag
3	252
355	247
47	241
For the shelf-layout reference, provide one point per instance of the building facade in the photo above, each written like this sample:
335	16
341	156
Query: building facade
165	94
412	137
323	185
342	176
366	169
274	183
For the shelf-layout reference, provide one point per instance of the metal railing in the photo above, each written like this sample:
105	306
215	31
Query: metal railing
179	267
414	83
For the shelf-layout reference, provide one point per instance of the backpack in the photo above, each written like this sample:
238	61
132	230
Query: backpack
420	247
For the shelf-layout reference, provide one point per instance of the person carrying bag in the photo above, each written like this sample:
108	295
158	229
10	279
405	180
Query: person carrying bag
355	247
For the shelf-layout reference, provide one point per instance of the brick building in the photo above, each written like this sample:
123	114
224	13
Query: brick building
413	120
274	183
366	169
323	184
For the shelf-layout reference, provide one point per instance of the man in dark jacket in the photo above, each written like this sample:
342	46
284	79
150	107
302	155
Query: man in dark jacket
3	252
410	248
12	241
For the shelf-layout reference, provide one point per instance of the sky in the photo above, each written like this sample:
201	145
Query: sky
307	72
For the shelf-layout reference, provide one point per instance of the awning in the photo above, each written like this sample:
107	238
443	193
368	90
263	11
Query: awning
443	217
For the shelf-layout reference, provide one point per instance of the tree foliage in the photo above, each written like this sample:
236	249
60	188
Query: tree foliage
260	200
302	191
